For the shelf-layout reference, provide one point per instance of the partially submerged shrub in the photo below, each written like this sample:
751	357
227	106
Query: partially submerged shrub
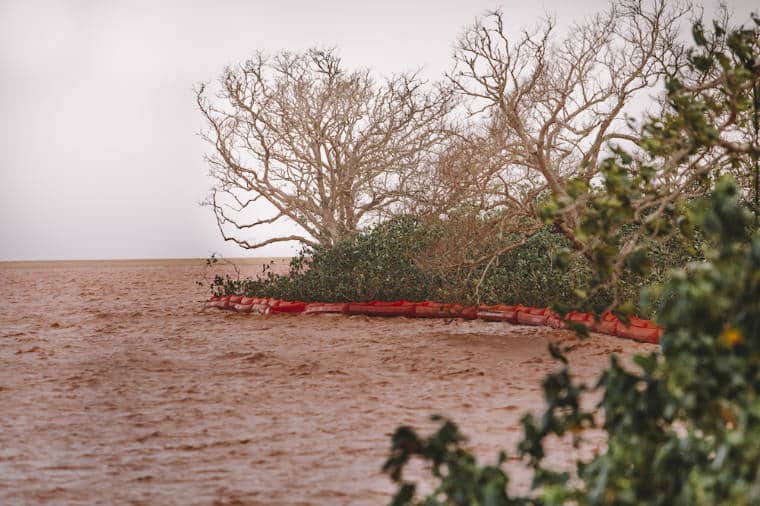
374	264
546	271
388	262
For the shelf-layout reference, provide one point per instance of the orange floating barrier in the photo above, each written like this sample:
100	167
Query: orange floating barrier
260	308
492	316
329	308
639	330
456	311
554	320
375	308
470	312
430	310
511	312
212	302
438	310
499	313
532	316
585	319
288	307
607	324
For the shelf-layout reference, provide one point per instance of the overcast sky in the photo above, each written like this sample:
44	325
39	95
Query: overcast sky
99	153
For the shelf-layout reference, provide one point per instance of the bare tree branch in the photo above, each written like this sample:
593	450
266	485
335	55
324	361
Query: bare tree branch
542	109
326	148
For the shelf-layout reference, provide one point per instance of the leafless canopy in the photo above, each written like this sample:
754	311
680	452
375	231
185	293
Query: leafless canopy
301	138
543	108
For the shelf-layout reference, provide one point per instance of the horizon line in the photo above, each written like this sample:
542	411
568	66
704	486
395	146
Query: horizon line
7	263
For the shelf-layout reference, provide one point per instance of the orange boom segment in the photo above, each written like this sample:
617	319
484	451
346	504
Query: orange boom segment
376	308
320	307
637	329
532	316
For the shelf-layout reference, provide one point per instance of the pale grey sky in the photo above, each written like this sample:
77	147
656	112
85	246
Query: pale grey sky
99	156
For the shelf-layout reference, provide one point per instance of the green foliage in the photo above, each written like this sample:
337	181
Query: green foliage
462	480
682	425
375	264
386	262
547	271
532	275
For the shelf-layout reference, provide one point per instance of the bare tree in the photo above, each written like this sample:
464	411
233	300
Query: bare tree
709	129
544	109
316	145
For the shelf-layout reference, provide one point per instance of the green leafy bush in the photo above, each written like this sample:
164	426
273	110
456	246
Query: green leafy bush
683	427
375	264
546	271
386	262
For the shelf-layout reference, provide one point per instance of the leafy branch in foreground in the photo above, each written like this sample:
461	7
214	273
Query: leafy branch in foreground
706	133
682	425
462	479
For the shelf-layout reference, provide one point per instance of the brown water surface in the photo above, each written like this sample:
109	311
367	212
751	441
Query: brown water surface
117	388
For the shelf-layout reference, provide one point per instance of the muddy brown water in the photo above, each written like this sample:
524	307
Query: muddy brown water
116	388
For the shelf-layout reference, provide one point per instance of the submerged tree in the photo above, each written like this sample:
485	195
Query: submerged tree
307	141
543	111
